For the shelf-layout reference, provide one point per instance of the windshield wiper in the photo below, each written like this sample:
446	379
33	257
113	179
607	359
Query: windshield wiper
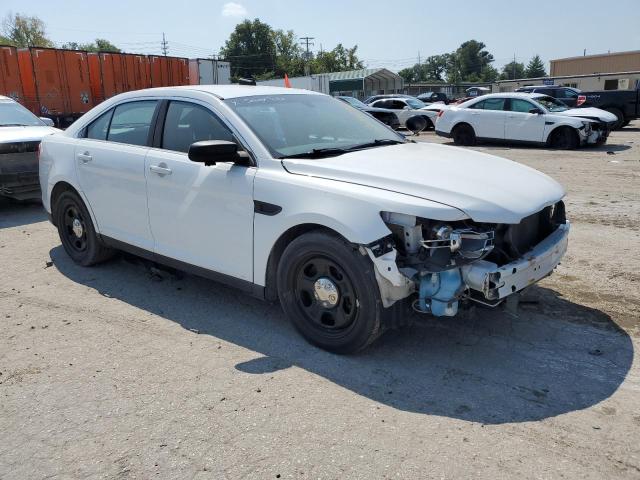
13	125
377	143
335	151
319	153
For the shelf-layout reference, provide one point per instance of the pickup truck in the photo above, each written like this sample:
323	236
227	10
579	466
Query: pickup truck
624	104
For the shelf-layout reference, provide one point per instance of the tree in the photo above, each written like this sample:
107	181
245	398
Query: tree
468	62
512	71
337	60
100	45
289	56
535	68
251	49
24	31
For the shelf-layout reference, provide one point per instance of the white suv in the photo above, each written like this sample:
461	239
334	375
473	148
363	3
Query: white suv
292	195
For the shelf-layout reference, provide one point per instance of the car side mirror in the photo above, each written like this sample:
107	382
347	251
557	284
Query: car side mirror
211	152
47	121
536	111
406	107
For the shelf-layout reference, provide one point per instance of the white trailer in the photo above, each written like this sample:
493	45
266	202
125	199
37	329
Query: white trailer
315	83
205	71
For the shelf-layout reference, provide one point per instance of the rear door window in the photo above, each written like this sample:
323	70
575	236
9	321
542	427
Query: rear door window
98	129
131	122
522	106
489	104
187	123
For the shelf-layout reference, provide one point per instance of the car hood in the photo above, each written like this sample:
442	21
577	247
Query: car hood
590	113
25	134
376	109
487	188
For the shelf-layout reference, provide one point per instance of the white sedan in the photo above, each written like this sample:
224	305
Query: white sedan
293	196
20	135
406	108
522	117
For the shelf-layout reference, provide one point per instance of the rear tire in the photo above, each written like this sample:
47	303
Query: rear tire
464	135
564	139
328	290
77	233
430	125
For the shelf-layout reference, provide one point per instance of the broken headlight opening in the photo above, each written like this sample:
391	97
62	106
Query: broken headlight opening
462	260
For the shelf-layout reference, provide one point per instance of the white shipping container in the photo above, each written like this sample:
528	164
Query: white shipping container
204	71
316	83
223	73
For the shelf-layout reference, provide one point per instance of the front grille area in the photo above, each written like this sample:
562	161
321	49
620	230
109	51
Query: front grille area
18	147
514	241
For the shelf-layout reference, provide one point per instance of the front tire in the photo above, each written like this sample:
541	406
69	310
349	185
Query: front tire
328	290
77	233
564	139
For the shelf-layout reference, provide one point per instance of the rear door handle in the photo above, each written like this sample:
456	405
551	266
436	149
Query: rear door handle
85	157
160	169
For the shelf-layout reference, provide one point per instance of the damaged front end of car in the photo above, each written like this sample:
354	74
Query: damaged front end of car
594	131
440	264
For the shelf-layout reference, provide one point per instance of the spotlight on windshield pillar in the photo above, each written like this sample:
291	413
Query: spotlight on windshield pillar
416	124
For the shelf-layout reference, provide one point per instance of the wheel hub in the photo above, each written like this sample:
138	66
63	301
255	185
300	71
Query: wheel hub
76	226
326	292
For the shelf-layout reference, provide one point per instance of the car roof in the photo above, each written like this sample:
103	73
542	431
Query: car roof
511	95
6	99
224	91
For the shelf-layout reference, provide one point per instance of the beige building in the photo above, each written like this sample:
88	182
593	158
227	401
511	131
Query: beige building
590	64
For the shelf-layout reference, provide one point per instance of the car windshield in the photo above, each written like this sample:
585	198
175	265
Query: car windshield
304	125
552	104
415	103
13	114
354	101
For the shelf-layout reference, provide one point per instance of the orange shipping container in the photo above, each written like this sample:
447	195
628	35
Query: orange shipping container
10	84
169	71
61	80
114	73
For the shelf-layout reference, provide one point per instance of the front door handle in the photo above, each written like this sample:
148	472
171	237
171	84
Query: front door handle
160	169
85	157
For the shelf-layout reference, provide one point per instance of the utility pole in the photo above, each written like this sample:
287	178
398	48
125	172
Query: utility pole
164	45
514	66
307	42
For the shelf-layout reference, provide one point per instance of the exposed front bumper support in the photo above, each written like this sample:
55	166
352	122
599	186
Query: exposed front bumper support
497	282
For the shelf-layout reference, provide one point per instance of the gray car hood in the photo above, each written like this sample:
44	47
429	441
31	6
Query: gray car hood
25	134
487	188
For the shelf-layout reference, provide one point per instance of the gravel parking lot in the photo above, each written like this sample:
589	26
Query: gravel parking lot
117	372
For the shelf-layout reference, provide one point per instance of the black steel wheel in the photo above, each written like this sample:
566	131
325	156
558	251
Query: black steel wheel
77	234
329	292
564	139
325	294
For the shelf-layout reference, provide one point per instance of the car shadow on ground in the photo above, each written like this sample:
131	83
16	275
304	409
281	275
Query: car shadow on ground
494	367
15	214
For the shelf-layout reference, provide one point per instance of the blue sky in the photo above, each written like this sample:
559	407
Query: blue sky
388	34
